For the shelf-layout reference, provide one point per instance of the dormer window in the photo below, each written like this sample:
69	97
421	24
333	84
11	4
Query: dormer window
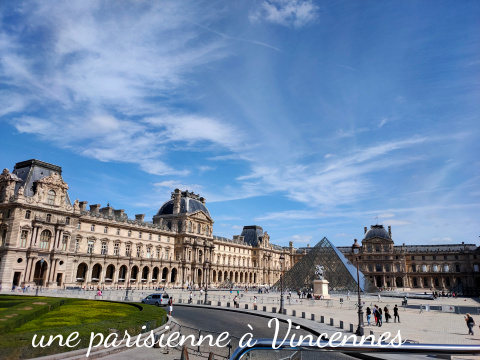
51	197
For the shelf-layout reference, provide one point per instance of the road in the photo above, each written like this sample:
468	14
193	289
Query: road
237	325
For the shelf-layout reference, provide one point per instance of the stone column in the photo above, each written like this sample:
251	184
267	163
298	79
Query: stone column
32	269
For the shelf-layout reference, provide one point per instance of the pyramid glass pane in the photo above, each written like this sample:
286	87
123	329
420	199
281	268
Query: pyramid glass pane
341	274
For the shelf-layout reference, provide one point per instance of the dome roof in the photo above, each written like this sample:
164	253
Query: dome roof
377	231
187	206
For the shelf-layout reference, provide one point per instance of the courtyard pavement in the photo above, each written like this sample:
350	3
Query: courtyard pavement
434	326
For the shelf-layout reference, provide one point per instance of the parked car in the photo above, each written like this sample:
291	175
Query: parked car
156	299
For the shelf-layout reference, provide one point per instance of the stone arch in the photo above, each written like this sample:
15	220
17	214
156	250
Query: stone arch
199	276
241	277
155	273
122	274
236	276
81	272
134	274
214	276
96	273
173	277
40	273
164	274
145	272
399	281
109	274
219	276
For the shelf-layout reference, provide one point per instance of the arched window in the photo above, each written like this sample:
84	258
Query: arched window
51	197
45	237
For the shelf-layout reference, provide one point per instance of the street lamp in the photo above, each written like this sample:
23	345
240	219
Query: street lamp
356	250
207	268
282	305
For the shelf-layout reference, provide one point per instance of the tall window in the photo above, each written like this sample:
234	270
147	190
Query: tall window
105	230
79	226
199	228
92	228
23	242
158	253
424	268
28	213
49	218
90	247
127	250
139	251
116	249
378	267
140	235
118	231
4	237
129	232
51	197
67	221
190	226
77	245
45	237
104	248
207	232
149	236
64	242
149	250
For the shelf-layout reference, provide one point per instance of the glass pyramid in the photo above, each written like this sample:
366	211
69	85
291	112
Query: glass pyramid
341	274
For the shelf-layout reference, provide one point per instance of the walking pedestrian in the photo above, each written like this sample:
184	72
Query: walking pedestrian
379	298
395	314
190	299
375	315
170	306
470	323
387	313
369	315
380	316
405	300
348	295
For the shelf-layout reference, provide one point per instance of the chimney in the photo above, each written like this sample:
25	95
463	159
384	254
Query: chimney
390	231
365	230
118	213
108	210
94	208
177	195
83	205
202	199
140	217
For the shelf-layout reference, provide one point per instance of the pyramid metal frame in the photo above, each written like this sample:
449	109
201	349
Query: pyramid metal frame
341	273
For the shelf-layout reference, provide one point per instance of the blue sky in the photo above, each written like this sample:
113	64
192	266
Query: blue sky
308	118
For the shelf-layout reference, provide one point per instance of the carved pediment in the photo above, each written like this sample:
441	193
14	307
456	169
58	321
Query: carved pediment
200	215
54	181
8	176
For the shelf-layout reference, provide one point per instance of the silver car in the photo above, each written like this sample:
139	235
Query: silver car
156	299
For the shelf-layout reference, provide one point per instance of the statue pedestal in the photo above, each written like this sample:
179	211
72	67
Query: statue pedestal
320	289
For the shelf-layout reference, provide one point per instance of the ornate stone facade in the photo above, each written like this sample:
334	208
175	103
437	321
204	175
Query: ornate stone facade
426	267
49	242
46	240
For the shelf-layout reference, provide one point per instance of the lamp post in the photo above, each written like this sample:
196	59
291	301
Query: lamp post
356	250
207	268
282	305
130	262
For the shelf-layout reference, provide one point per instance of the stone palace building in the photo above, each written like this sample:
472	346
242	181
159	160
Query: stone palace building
48	240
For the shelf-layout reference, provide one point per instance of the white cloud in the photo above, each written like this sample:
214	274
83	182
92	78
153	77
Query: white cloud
237	227
303	239
383	121
441	240
343	235
291	13
328	156
106	74
175	184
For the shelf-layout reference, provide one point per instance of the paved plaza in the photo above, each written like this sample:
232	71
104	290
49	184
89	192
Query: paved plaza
417	325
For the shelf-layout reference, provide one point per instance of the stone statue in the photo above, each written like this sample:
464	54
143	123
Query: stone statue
319	271
76	205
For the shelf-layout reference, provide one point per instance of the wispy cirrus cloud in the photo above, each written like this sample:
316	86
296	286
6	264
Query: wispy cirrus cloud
291	13
101	76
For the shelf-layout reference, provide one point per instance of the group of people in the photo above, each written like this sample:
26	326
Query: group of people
378	315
